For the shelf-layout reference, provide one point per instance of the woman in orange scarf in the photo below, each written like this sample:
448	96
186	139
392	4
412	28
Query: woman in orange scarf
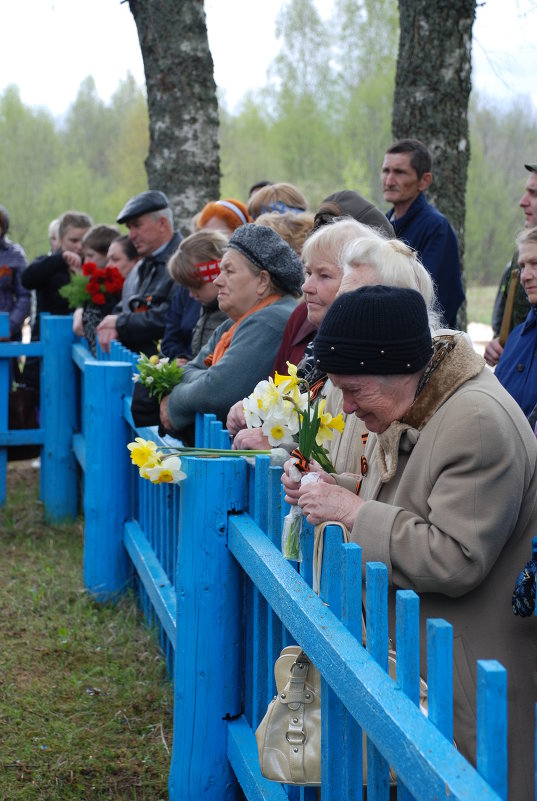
260	279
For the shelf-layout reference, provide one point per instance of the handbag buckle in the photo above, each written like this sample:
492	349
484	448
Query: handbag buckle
296	737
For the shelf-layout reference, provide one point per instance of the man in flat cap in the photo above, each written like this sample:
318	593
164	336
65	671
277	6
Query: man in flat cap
149	218
506	317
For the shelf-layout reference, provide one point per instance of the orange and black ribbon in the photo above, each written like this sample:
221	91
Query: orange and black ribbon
301	461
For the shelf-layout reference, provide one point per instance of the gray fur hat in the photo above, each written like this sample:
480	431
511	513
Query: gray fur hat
268	251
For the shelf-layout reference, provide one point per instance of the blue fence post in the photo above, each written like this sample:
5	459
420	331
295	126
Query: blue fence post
207	685
491	756
107	477
59	474
4	401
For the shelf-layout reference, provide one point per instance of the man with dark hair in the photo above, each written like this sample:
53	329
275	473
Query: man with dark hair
47	274
149	218
406	175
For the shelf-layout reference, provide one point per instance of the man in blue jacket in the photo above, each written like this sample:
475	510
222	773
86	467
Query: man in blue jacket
406	175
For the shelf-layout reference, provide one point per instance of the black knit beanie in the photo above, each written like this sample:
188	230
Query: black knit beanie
375	330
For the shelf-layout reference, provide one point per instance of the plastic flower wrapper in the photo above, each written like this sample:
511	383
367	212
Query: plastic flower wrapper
289	415
159	374
292	525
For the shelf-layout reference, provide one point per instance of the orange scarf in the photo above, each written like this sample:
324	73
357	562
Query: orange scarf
225	340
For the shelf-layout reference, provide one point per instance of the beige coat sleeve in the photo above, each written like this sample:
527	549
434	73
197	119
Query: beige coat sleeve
441	522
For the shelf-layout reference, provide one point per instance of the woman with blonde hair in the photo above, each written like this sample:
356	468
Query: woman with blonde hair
280	197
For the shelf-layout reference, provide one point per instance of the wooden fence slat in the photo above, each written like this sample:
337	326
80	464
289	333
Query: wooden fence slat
154	579
106	500
59	473
351	617
243	758
208	680
440	675
378	775
492	724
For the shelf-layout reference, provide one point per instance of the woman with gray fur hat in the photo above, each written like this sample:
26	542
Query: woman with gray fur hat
260	279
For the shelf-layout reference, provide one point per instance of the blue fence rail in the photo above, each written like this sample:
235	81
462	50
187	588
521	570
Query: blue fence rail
206	558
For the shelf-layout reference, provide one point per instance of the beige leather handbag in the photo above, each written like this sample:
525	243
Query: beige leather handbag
289	736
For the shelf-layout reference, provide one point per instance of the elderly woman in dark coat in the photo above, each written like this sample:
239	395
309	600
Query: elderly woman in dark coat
448	499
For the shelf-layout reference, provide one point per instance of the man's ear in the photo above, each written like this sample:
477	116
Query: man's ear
425	181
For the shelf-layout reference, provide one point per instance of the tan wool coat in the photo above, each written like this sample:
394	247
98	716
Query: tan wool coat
451	509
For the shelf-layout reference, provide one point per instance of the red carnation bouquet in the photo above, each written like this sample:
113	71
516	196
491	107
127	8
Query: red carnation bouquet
94	286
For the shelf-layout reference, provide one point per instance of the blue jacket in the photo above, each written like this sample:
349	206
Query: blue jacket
431	235
14	297
181	317
517	368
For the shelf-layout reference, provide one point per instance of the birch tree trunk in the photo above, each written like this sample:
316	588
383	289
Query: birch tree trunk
183	159
432	89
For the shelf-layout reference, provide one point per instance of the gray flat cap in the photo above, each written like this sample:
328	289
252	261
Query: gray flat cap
531	167
268	251
143	204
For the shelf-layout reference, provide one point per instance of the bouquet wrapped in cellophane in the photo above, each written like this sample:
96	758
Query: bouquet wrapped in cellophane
290	417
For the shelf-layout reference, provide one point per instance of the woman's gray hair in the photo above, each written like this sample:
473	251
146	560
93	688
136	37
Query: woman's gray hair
395	264
329	241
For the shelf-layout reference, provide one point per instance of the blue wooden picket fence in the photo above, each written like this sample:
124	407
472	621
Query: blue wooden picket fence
205	557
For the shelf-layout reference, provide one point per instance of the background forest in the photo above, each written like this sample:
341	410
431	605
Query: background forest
322	121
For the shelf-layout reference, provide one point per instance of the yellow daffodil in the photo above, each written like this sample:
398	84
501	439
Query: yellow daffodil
167	471
142	450
289	384
327	424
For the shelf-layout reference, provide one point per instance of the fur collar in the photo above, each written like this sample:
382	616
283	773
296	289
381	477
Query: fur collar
456	368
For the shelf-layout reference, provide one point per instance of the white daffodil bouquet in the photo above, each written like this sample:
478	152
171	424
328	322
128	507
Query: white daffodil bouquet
290	418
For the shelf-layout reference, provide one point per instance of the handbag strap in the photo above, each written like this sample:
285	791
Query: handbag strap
318	545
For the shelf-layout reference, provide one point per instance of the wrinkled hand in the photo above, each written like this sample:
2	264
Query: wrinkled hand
73	261
493	351
236	420
164	419
292	486
321	502
250	439
107	331
78	325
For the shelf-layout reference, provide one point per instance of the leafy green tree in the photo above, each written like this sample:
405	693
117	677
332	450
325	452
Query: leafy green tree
500	137
29	156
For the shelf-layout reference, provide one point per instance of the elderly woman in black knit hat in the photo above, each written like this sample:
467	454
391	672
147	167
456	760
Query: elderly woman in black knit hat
447	498
259	281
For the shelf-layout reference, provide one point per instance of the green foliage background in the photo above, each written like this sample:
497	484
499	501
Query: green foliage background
322	121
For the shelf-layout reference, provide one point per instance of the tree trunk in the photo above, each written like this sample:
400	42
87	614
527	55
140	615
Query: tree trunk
183	159
432	89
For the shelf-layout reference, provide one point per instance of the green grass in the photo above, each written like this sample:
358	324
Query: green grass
85	706
480	300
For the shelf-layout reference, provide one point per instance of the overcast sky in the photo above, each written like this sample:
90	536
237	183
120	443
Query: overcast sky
50	46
